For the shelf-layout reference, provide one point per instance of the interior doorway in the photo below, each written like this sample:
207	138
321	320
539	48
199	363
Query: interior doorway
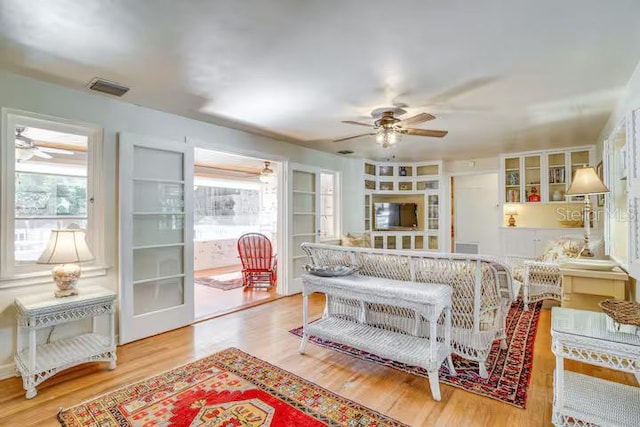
475	214
233	195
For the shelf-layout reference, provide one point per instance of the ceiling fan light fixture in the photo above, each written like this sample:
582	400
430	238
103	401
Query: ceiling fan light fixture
387	137
23	154
267	175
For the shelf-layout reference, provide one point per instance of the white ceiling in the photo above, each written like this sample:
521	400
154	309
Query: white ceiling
500	75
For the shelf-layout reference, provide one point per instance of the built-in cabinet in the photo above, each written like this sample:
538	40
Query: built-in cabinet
532	242
414	182
546	174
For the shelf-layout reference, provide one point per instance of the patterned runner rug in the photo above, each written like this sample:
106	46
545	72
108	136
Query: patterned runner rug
226	282
229	388
509	370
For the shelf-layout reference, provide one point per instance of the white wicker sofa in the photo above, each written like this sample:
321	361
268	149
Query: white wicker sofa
482	290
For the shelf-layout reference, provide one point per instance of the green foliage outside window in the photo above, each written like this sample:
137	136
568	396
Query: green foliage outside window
50	195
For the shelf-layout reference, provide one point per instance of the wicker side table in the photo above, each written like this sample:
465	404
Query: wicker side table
38	362
582	400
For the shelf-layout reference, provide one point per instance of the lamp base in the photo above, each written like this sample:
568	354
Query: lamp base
65	277
61	293
586	253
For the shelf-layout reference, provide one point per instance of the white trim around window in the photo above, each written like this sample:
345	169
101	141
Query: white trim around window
12	275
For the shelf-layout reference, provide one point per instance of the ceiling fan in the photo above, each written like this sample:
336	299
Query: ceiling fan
388	129
26	148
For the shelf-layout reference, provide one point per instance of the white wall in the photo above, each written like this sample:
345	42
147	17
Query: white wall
475	166
629	101
115	116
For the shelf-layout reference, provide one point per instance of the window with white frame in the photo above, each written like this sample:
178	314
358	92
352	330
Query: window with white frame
329	226
49	182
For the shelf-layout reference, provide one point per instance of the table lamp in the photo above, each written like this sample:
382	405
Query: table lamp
586	183
66	248
511	211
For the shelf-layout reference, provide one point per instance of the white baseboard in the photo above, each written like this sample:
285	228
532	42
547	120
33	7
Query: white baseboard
7	371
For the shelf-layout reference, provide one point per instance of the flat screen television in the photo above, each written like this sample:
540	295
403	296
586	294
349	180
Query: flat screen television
395	215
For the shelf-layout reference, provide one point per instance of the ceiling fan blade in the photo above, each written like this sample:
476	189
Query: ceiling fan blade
55	150
36	152
426	132
351	122
419	118
352	137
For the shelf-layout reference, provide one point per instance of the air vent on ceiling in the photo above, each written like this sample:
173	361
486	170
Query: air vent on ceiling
345	152
107	87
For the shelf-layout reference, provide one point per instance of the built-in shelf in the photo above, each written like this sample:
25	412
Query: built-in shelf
545	170
397	181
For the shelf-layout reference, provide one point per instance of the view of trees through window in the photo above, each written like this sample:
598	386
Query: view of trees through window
226	208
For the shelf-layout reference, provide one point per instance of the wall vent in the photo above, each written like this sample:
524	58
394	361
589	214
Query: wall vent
345	152
466	248
110	88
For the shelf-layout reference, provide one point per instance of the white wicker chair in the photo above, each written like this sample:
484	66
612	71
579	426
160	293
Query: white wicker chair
540	278
478	284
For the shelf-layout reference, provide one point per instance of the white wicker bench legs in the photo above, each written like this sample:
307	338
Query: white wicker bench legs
406	307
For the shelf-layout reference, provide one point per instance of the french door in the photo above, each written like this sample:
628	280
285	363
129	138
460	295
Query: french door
156	242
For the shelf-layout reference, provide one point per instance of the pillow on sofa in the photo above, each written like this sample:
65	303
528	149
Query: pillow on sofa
562	247
357	240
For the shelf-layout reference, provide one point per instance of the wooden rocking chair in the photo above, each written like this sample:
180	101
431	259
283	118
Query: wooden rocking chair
259	263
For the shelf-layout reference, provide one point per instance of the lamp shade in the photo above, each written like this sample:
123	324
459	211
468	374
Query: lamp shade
66	246
510	210
586	181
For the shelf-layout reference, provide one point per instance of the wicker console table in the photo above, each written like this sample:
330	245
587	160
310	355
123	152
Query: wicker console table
582	400
38	362
393	319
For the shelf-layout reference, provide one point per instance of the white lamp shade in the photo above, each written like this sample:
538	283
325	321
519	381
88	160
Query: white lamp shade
66	246
510	210
586	181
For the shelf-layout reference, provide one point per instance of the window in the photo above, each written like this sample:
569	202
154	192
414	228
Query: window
329	227
49	182
226	209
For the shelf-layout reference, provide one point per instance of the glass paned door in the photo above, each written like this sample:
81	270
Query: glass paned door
156	254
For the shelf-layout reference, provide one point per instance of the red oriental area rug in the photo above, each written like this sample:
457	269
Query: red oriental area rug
509	370
227	389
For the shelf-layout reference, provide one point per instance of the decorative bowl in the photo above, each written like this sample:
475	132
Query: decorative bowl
623	312
589	264
330	270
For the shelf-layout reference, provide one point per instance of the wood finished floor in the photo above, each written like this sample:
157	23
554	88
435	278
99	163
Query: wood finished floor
210	302
263	332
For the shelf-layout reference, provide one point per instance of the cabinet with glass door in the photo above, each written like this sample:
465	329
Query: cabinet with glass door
541	177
